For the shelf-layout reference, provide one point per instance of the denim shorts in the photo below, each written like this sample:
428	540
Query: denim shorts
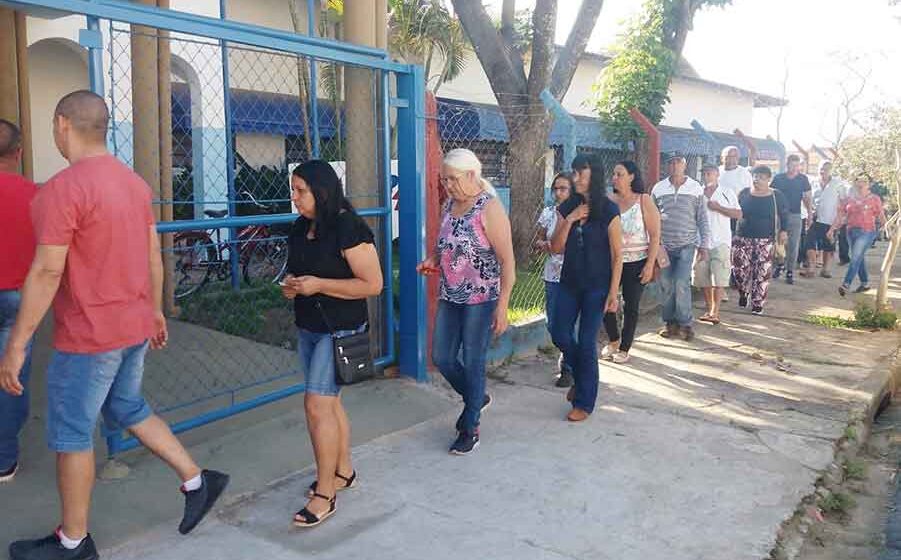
82	386
317	360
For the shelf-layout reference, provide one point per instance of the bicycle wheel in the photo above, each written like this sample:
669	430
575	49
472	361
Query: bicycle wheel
193	256
266	262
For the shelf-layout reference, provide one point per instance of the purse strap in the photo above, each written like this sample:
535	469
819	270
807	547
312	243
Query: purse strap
775	218
325	320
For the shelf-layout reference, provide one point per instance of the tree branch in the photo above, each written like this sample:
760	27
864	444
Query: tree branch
683	14
503	74
544	28
508	21
578	38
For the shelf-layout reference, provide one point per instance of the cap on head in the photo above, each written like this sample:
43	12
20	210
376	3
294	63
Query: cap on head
710	166
10	138
86	112
675	156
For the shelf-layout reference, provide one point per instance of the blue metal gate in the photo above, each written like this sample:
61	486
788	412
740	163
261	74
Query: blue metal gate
246	103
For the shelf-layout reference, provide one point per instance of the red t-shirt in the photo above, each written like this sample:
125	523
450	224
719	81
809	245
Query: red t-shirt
862	212
101	209
17	239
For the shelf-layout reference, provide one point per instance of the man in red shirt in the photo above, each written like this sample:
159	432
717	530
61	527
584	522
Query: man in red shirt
16	252
98	260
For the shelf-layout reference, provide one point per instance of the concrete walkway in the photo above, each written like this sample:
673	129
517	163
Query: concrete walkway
698	451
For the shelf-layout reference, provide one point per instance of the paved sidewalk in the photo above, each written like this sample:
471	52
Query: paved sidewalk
697	451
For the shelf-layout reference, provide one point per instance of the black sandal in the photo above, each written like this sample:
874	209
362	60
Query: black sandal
310	519
349	482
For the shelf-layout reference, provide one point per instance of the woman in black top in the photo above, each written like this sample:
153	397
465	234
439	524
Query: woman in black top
590	236
332	268
764	216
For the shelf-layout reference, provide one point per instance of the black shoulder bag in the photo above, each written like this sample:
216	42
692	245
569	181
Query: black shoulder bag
352	354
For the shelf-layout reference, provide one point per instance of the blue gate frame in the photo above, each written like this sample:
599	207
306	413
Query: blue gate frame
409	103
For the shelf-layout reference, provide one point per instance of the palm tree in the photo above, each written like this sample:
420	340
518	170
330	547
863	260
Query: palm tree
420	29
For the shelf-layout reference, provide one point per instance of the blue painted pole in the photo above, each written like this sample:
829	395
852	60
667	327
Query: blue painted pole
411	204
314	82
229	161
92	39
388	220
562	116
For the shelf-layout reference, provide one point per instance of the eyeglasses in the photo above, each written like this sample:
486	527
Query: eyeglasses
455	179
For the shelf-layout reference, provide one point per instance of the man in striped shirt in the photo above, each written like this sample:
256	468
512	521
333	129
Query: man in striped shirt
685	231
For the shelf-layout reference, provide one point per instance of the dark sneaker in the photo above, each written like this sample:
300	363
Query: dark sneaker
486	404
777	272
757	310
9	474
465	444
565	380
743	301
199	502
49	548
790	278
862	289
687	333
842	290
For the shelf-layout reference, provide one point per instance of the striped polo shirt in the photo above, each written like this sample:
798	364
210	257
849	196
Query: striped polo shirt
683	214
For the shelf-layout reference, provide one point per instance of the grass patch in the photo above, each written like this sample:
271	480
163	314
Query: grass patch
851	433
866	316
854	469
527	299
240	313
837	503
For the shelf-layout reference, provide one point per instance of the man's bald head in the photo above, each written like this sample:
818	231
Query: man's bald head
10	139
87	114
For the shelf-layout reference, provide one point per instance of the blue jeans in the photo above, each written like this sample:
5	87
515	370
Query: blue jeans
581	353
675	286
859	241
464	331
551	291
13	410
317	360
82	386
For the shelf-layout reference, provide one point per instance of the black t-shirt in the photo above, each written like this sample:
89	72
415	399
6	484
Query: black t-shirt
586	257
758	219
322	257
792	189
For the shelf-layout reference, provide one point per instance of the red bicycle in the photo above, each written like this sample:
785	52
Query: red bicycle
202	256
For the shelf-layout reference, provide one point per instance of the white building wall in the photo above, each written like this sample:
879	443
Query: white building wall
261	149
718	110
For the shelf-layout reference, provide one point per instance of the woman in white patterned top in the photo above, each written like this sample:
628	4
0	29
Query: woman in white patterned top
641	243
561	187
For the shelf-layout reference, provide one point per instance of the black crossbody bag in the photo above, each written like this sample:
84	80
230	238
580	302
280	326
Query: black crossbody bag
352	354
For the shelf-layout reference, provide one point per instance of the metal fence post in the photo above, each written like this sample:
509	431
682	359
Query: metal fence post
229	161
314	82
411	207
92	39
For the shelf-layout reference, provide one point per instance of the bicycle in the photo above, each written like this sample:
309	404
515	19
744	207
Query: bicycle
201	256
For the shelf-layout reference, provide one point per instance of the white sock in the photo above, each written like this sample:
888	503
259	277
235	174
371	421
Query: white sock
68	544
192	484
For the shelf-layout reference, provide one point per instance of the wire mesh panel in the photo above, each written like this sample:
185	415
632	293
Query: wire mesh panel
216	129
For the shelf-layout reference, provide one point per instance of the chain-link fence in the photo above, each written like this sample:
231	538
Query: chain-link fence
484	130
216	129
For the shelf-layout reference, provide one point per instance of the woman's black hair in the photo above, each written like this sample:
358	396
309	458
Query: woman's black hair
597	187
762	170
327	190
632	169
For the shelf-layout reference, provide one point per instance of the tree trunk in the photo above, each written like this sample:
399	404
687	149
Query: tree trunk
885	271
525	171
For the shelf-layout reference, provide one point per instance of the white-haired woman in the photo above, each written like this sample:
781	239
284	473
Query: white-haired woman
474	256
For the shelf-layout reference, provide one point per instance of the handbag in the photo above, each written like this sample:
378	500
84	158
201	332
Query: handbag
352	354
778	246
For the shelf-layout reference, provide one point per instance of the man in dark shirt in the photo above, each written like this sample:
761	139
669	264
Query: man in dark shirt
795	186
16	252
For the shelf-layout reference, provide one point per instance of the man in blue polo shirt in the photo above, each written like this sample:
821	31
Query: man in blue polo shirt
795	186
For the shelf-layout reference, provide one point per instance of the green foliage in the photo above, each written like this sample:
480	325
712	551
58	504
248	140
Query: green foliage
242	313
642	67
850	433
866	316
837	502
873	152
854	469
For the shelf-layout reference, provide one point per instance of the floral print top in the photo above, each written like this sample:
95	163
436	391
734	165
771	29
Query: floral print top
470	270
